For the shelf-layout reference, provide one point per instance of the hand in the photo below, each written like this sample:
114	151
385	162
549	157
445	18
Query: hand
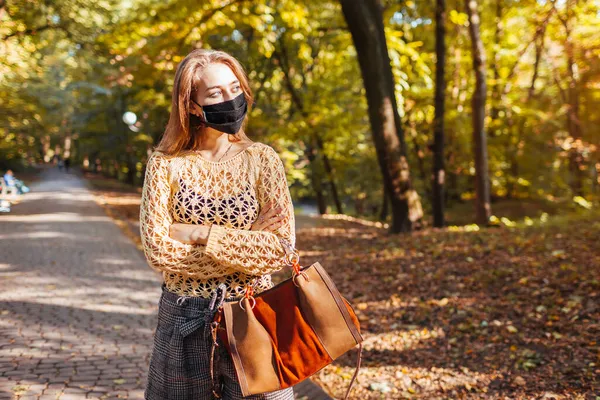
189	233
270	218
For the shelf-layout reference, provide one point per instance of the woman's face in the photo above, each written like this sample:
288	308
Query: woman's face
218	84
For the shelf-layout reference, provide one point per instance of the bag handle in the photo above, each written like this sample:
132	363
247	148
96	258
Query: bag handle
292	257
358	360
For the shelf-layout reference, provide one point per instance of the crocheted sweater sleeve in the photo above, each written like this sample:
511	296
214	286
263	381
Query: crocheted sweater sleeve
228	250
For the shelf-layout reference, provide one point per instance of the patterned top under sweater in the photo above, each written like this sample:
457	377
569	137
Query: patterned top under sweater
228	195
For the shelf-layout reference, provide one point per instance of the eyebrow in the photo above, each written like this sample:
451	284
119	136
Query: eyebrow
216	86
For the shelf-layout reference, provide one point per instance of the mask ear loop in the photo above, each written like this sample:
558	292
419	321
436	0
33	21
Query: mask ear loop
202	109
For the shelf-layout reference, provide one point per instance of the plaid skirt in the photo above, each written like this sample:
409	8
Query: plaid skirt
180	359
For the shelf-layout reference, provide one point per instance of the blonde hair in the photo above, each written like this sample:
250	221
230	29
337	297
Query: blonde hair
180	134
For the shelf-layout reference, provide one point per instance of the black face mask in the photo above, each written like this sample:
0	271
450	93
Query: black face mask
226	116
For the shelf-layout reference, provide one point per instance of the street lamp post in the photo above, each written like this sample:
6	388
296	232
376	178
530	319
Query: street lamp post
130	119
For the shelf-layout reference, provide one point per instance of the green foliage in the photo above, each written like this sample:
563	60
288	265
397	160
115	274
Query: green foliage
71	68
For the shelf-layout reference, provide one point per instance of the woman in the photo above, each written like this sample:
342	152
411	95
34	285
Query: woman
216	218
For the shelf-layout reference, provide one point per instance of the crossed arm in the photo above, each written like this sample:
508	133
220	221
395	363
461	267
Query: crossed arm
224	250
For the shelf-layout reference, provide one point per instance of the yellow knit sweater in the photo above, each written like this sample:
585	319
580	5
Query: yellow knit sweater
187	188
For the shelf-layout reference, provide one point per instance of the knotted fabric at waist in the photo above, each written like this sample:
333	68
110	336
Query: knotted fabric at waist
190	313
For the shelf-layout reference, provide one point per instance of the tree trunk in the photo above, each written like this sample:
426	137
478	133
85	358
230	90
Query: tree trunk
573	123
330	176
514	159
365	22
496	95
438	177
482	187
131	165
384	205
315	179
456	95
418	152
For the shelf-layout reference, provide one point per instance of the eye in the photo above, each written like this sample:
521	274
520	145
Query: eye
213	96
237	87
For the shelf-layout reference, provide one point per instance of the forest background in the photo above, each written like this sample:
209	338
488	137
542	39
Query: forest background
71	68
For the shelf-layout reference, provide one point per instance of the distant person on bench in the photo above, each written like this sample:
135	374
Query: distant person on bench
11	181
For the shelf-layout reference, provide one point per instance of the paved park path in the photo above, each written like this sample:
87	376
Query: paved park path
78	303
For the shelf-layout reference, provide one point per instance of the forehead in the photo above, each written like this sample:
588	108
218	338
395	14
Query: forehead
216	74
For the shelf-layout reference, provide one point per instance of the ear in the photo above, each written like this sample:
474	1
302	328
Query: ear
195	109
